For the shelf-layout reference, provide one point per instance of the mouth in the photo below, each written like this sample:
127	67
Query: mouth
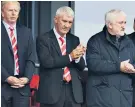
13	18
65	29
123	29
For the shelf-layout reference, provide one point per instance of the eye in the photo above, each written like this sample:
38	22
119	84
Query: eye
64	21
16	10
122	22
70	22
10	10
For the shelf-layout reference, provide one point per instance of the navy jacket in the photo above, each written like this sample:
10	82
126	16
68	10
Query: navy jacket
107	86
26	54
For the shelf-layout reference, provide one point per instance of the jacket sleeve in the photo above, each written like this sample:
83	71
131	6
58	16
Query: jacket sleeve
133	61
4	74
81	64
31	55
95	63
45	57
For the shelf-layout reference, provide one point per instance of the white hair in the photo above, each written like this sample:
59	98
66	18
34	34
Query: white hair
65	10
111	16
5	2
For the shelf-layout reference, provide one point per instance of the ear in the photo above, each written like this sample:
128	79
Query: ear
110	25
55	19
2	14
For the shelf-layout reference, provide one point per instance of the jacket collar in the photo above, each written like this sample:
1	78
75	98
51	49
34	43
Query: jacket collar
125	40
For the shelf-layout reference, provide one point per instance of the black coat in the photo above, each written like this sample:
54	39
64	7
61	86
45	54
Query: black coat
107	86
51	70
26	54
132	36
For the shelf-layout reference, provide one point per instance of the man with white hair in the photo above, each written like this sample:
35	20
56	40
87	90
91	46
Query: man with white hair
60	56
110	57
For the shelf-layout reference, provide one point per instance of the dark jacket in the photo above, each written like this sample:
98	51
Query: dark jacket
107	86
132	36
26	59
51	70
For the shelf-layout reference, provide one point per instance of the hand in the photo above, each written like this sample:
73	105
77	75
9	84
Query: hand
13	80
74	54
24	80
78	52
17	86
81	48
126	67
22	83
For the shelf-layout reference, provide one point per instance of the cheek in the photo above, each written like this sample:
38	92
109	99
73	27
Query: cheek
61	26
5	15
8	15
17	14
117	28
70	25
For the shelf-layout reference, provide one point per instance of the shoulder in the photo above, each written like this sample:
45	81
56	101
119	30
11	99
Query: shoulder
70	35
23	29
96	37
132	35
45	37
48	34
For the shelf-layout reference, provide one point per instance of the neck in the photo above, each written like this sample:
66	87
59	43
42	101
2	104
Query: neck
9	23
113	34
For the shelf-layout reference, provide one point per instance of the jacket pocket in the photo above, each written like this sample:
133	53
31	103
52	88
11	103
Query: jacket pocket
100	82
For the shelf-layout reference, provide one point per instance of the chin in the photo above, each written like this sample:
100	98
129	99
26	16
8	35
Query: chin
64	32
122	33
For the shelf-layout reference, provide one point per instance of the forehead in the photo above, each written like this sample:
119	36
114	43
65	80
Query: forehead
11	5
120	17
66	17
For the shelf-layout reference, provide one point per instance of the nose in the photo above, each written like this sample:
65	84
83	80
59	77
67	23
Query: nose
13	12
67	24
123	24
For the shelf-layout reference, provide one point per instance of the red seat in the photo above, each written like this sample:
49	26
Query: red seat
34	86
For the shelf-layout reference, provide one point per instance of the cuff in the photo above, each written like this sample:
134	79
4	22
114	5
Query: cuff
77	60
70	58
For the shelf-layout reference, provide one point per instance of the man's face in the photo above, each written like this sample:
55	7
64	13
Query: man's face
118	26
63	24
10	12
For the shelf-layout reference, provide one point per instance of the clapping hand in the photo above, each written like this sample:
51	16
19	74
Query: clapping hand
78	52
126	67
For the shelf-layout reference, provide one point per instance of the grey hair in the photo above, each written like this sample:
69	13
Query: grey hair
5	2
65	10
111	16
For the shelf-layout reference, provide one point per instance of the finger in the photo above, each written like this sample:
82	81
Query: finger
20	86
14	86
133	70
127	60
